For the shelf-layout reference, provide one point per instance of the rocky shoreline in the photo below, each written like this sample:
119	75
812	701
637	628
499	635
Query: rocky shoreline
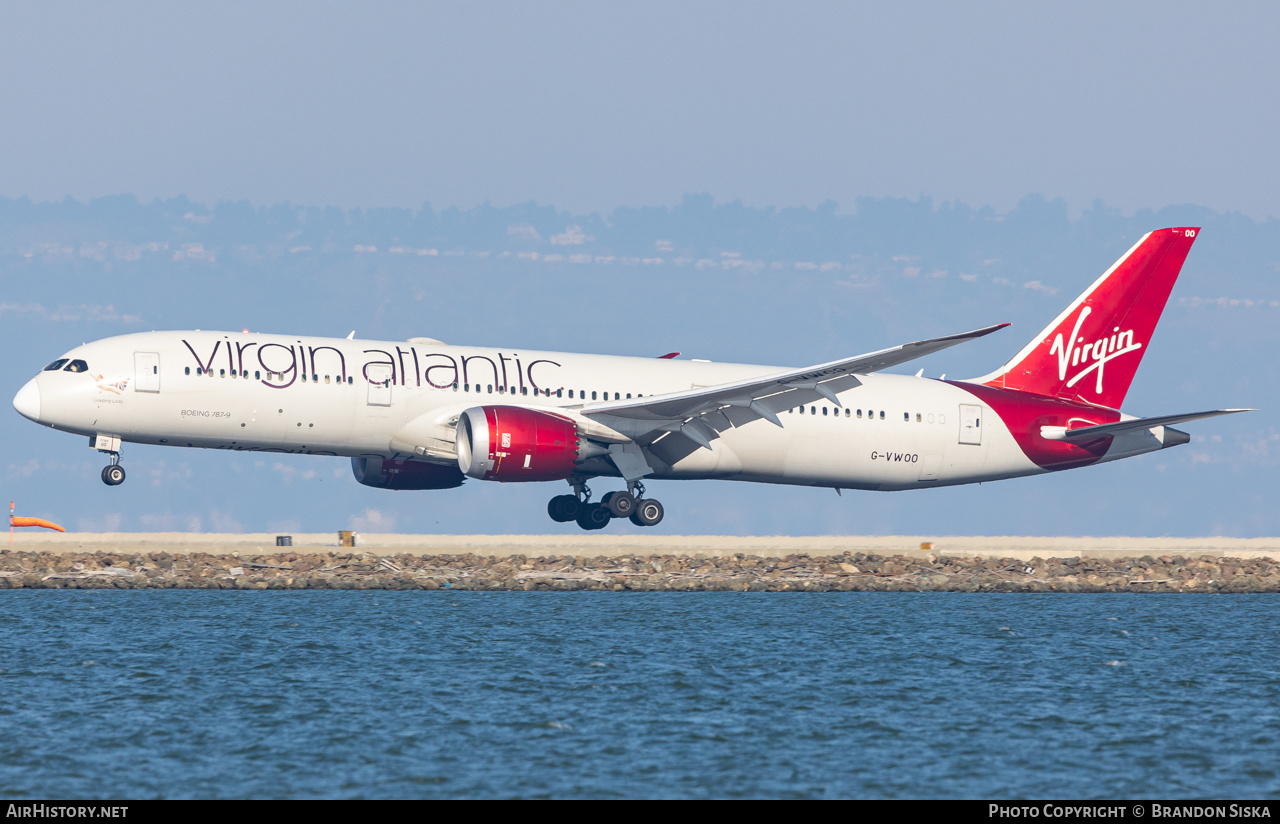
849	572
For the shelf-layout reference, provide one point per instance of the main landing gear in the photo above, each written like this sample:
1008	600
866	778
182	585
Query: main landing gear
113	473
629	504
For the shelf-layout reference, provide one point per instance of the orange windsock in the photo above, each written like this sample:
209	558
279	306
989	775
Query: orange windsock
18	520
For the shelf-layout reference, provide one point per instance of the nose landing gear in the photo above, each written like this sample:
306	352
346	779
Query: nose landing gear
627	504
113	473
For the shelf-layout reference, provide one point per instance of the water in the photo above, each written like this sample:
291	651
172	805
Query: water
386	694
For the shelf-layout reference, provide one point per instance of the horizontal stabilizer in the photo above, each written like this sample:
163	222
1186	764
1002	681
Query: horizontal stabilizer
1086	433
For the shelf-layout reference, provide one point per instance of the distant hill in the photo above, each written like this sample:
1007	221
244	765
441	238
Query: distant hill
721	281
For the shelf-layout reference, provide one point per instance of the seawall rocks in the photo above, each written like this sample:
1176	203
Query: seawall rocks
848	572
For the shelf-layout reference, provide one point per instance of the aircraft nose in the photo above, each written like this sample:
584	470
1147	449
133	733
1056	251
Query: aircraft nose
27	401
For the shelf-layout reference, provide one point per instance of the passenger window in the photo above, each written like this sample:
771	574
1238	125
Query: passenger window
257	374
350	380
466	387
593	396
560	393
455	386
918	418
186	371
326	378
77	366
222	373
847	411
617	396
628	396
881	414
824	410
813	410
906	416
58	364
490	387
524	390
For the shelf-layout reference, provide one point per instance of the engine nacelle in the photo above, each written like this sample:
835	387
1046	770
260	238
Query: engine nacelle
402	474
514	443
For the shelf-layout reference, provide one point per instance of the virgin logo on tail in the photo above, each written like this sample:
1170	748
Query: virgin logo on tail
1095	354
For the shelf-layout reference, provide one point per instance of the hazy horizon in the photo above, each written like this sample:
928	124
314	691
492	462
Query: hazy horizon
720	281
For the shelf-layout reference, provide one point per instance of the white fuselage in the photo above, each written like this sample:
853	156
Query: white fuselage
326	396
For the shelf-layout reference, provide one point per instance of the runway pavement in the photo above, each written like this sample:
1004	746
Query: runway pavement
621	544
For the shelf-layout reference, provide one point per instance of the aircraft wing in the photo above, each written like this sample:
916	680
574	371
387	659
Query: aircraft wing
1087	433
764	397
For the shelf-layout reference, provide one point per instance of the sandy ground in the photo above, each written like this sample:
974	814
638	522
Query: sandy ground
623	545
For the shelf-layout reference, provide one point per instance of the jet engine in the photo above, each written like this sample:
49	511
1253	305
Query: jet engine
515	443
402	474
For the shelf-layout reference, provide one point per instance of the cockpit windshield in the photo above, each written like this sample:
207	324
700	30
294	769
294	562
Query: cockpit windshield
77	366
56	365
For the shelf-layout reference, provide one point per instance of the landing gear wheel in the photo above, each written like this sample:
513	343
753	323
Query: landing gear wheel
648	513
113	475
619	504
563	508
593	516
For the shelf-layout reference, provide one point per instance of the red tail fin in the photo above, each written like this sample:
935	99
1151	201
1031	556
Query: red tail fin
1091	351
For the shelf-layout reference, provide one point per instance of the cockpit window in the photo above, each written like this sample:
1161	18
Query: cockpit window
77	366
56	365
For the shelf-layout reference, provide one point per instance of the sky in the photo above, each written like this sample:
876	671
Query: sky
590	106
987	161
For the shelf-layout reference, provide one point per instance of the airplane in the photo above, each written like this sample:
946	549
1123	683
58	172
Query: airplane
423	415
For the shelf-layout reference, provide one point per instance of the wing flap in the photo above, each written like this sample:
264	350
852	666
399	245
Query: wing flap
777	392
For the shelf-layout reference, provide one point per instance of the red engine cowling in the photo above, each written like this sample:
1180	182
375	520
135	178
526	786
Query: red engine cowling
514	443
402	474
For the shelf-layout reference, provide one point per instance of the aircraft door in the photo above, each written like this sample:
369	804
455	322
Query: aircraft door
379	375
970	424
146	372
